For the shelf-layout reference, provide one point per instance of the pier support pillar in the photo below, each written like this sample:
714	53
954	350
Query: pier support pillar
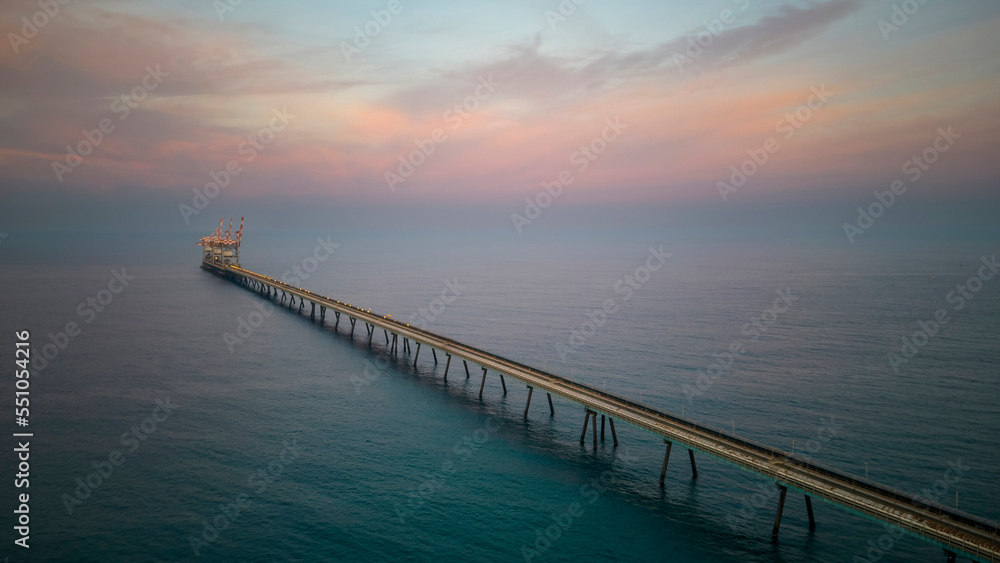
447	364
594	432
386	332
392	348
353	322
602	428
322	314
528	404
613	435
586	420
809	510
312	314
781	508
417	356
666	459
466	369
694	472
433	353
504	383
951	556
552	410
482	384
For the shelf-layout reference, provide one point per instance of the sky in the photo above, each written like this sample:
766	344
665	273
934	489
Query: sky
431	105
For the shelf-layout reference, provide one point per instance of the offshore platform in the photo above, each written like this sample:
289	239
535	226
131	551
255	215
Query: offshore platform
222	250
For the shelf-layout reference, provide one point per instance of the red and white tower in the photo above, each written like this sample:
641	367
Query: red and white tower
222	249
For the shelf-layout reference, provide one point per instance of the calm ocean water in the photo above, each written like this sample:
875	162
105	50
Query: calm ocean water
301	444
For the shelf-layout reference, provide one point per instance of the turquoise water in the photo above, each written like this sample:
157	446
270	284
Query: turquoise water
303	444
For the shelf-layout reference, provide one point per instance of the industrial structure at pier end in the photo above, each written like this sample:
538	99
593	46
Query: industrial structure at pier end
222	250
956	532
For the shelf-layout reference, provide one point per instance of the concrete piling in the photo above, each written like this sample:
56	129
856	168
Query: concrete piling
809	511
594	432
666	459
781	508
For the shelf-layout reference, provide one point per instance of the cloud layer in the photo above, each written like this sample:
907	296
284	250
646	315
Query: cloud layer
694	103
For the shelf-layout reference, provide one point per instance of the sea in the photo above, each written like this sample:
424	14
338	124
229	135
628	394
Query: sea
176	416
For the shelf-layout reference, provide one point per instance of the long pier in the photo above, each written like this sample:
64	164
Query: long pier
955	531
